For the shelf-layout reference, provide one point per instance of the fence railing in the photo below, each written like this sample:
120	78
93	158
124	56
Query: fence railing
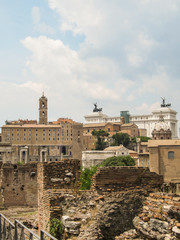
18	231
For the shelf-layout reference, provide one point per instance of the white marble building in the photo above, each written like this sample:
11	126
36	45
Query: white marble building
142	121
148	121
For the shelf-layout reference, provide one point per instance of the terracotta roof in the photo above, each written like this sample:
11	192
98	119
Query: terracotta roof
99	124
32	126
115	148
128	125
131	151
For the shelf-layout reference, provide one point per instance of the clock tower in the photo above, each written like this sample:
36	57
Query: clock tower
43	109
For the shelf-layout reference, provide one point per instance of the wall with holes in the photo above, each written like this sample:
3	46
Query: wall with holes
19	185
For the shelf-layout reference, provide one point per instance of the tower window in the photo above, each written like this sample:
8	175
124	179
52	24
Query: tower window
43	105
43	113
170	155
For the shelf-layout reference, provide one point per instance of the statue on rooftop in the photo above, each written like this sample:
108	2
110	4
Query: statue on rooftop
96	109
164	104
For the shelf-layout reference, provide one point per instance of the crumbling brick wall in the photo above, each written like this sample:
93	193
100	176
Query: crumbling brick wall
19	184
120	178
160	217
54	178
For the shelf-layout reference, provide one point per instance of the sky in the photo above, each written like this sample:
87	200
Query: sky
122	55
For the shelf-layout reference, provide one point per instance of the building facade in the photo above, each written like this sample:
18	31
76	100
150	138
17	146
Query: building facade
145	123
43	141
164	159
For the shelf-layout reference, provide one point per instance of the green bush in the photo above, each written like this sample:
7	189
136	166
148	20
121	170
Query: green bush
118	161
142	139
86	176
56	228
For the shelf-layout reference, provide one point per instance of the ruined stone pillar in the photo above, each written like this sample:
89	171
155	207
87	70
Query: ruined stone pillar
21	155
26	156
46	155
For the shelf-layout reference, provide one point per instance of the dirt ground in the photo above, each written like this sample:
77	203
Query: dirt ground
26	215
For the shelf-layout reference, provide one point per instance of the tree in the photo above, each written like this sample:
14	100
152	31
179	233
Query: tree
121	138
142	138
118	161
100	136
86	176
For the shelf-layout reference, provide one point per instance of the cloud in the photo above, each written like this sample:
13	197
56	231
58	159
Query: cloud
38	25
127	59
160	82
52	61
36	15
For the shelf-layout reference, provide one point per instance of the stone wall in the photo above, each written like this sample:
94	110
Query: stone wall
19	185
160	217
53	180
120	178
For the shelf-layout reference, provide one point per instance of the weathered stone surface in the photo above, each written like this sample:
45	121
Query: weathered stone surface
167	228
176	232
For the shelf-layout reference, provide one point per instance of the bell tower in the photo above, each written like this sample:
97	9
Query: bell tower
43	110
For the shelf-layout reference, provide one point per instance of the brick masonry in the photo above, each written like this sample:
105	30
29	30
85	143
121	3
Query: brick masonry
121	178
19	185
160	217
55	179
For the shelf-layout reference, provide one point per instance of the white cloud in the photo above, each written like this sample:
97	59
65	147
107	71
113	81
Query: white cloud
119	61
53	61
35	15
145	108
38	25
160	82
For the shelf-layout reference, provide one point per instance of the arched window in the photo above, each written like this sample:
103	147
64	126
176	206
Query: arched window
170	155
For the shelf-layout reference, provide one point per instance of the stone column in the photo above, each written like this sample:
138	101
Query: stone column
21	155
26	156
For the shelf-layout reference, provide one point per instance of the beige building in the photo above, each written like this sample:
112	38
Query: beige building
164	158
28	141
112	128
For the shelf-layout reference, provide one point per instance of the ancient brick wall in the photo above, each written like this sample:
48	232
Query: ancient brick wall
19	184
160	217
120	178
54	179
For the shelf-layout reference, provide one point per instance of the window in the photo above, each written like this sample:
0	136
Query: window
109	129
170	155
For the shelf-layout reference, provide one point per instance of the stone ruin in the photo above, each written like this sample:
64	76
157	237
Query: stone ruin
121	198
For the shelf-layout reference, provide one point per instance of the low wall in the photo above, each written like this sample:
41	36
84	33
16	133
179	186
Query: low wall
19	184
120	178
